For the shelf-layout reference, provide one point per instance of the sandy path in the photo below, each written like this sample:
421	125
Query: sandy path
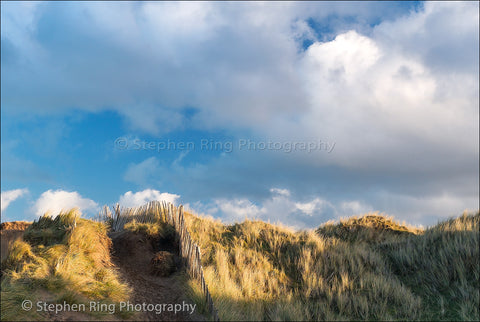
132	254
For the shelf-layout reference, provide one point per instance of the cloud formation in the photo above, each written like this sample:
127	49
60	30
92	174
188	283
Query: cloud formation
383	91
281	207
54	202
10	196
131	199
395	88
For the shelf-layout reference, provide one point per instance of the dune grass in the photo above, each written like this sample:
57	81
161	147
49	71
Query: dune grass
442	267
371	228
62	259
158	229
363	268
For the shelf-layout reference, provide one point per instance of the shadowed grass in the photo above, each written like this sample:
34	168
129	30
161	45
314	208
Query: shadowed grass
442	267
363	268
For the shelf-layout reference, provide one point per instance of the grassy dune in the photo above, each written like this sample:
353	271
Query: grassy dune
62	259
361	268
442	267
368	267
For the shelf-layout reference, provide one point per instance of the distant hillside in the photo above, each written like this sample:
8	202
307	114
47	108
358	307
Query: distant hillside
362	268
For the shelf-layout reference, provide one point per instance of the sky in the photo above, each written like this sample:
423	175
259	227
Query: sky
289	112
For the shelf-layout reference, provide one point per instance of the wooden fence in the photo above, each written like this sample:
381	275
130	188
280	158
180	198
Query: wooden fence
155	211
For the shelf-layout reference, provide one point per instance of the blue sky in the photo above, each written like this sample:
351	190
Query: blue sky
292	112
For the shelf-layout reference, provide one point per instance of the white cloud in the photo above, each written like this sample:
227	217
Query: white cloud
281	207
281	192
441	36
130	199
372	101
309	213
367	91
426	210
349	208
238	209
19	23
9	196
310	207
399	99
56	201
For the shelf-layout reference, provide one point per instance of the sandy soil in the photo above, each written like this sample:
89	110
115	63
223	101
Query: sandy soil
10	232
132	255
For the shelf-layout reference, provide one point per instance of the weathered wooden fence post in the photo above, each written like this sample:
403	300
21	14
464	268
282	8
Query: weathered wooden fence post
188	249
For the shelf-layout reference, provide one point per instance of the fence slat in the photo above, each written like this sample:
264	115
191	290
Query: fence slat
167	212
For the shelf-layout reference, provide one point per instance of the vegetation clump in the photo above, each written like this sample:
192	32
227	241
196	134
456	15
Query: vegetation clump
65	258
157	229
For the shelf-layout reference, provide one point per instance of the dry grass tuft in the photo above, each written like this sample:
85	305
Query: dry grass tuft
371	228
158	229
62	258
14	225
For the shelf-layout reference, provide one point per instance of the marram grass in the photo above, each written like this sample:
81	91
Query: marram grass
62	259
363	268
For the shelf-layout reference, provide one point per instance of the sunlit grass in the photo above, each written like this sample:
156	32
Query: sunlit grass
62	259
157	229
363	268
